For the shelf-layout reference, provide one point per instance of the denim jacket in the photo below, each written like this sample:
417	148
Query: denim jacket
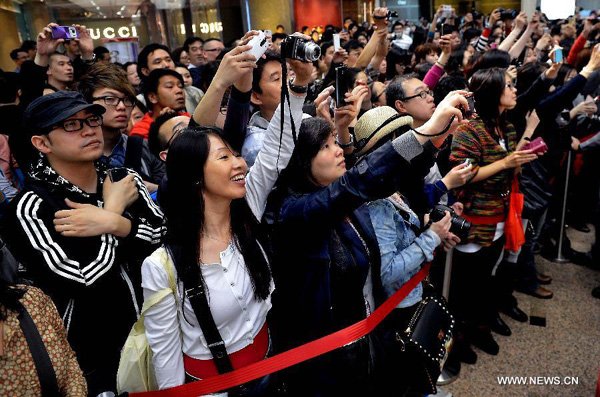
402	253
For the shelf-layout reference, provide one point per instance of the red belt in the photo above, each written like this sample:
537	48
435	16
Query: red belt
484	220
250	354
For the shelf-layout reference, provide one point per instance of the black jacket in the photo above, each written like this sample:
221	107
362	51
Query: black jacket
91	280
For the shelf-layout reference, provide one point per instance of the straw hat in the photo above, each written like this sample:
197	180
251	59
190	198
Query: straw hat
379	121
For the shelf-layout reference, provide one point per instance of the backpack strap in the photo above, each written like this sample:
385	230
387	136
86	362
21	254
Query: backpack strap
133	153
41	359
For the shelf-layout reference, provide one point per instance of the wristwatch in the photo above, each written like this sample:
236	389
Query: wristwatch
349	144
298	89
89	61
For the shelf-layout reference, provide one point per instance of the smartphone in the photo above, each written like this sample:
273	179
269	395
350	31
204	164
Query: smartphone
467	113
336	42
116	174
558	55
446	29
65	32
446	11
341	85
537	146
467	163
260	44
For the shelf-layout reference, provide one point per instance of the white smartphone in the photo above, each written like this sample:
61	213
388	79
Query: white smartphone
260	44
336	42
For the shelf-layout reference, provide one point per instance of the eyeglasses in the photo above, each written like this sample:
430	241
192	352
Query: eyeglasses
422	94
510	85
114	101
72	125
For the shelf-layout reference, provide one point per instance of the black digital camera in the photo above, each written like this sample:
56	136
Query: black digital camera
296	47
390	14
507	14
459	225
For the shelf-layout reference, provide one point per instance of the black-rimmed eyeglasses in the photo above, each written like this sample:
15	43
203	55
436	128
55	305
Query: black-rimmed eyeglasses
422	94
72	125
114	101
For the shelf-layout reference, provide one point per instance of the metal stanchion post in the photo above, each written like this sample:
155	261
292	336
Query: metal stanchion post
448	375
559	256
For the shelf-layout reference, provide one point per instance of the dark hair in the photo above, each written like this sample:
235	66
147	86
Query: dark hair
277	36
9	86
100	51
14	54
260	66
422	69
279	26
208	73
562	74
185	215
488	86
304	28
324	47
395	90
352	45
446	85
297	176
145	53
140	105
154	143
104	76
395	57
187	43
423	50
470	34
177	54
528	73
128	64
56	54
492	59
29	45
153	80
455	62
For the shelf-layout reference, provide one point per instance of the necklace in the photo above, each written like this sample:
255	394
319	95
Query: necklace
216	239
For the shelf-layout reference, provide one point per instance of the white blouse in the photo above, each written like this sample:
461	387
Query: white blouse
238	315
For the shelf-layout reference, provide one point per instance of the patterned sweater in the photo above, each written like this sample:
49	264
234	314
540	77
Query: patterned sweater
18	375
487	197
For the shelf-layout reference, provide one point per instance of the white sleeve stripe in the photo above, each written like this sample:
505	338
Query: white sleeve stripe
150	232
49	248
146	196
48	251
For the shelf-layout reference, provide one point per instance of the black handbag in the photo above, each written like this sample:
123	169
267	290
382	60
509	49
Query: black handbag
427	342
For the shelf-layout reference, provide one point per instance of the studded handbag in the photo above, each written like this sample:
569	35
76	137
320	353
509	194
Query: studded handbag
427	342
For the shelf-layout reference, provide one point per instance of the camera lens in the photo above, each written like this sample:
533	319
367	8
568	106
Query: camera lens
312	51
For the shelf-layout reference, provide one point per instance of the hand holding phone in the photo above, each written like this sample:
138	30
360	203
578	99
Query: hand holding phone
260	44
65	32
536	146
336	42
341	85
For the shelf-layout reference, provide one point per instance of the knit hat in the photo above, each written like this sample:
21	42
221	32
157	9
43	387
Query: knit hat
376	124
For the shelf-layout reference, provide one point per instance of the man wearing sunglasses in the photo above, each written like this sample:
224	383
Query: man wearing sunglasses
81	231
107	86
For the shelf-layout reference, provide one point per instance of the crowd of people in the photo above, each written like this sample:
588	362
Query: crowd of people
273	219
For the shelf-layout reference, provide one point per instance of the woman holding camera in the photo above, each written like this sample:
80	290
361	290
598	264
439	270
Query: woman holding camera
326	257
489	143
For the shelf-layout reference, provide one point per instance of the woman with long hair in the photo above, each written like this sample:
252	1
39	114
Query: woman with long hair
326	258
215	245
489	143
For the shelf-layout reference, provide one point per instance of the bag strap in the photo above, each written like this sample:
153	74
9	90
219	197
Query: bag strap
41	359
296	355
197	296
133	153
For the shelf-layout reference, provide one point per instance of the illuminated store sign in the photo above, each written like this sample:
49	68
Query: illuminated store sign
205	27
111	33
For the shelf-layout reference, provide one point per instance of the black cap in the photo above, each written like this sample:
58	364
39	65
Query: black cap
49	110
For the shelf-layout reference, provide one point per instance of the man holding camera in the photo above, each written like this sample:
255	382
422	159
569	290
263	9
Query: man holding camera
81	231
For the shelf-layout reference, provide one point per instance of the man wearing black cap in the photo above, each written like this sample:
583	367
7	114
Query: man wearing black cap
81	231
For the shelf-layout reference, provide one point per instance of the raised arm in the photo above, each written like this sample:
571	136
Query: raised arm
377	40
277	149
